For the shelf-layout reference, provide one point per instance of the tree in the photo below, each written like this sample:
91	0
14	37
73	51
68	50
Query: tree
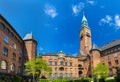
37	67
101	71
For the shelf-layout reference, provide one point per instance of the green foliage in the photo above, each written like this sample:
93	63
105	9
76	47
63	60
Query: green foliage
61	80
101	70
44	80
110	80
37	67
16	79
11	79
85	80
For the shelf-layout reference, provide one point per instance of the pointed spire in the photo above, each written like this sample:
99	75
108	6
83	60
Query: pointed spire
84	18
84	21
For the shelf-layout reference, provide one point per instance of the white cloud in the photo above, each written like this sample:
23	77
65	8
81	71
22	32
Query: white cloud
111	21
77	8
108	20
91	2
50	10
117	21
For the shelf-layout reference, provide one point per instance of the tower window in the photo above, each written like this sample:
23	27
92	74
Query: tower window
87	34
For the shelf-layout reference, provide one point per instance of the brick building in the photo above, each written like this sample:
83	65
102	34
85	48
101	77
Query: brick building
88	57
63	65
14	50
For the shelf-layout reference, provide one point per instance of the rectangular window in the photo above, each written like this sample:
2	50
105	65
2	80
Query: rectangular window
5	51
65	63
116	62
55	63
55	69
7	30
70	63
19	61
14	56
116	55
109	63
14	46
20	51
109	58
71	69
61	62
50	62
6	39
55	74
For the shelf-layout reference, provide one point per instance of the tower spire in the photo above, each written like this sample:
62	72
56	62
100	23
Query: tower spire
84	21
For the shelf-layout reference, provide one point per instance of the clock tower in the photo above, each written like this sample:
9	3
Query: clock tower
85	37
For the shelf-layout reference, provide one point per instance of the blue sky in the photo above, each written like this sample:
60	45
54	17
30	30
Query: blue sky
55	24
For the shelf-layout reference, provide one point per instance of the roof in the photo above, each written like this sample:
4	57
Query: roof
82	53
110	45
56	54
10	26
49	54
28	36
95	47
84	22
84	18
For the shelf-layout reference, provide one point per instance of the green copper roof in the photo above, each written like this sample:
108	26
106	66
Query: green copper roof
84	21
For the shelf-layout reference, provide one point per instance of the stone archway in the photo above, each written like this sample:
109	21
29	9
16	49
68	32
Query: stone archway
61	68
80	73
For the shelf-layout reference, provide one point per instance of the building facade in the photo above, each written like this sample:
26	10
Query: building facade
63	66
14	51
88	56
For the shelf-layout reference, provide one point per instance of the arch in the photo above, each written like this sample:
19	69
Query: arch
80	73
12	67
3	64
61	68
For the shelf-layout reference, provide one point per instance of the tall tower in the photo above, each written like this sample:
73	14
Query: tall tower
85	37
30	44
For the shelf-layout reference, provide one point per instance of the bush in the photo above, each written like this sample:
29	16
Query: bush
16	79
61	80
85	80
110	80
44	80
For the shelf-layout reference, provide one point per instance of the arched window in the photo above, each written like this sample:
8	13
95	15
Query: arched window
3	65
12	67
